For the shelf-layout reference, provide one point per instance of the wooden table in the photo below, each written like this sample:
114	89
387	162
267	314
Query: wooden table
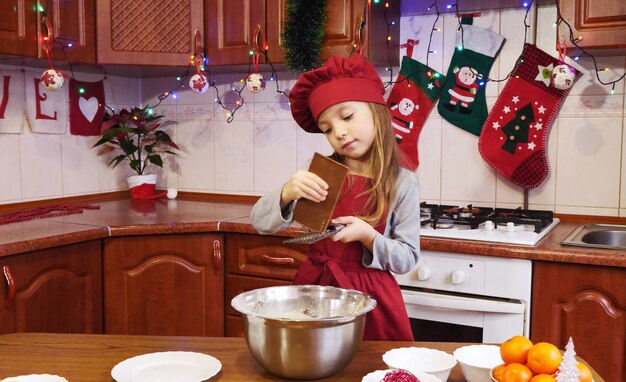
90	358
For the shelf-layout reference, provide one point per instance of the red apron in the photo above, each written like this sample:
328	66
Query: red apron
339	264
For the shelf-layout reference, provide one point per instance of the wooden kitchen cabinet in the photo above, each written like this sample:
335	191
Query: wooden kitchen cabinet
602	24
164	285
231	26
339	34
56	290
257	261
157	33
73	21
587	303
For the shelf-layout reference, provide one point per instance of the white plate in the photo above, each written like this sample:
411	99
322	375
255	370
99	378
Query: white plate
35	378
378	375
180	366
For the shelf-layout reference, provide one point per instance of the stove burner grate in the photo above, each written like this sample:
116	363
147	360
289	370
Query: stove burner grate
444	216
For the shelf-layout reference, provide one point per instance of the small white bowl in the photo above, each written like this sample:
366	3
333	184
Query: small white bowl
378	375
477	361
35	378
414	359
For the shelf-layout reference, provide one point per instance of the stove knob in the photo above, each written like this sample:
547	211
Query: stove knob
458	277
423	273
489	226
510	227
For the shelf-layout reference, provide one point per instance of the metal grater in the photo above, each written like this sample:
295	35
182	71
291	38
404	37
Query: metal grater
314	237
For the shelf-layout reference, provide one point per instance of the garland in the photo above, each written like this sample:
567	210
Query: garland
304	30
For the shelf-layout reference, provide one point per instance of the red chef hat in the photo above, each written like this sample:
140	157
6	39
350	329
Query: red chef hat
339	80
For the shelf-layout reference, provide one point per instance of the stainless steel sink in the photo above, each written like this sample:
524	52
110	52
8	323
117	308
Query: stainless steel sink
610	236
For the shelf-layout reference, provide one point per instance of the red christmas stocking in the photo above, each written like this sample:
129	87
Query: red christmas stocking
513	138
86	107
410	102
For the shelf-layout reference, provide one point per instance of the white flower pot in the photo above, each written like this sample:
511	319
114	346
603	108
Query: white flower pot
137	180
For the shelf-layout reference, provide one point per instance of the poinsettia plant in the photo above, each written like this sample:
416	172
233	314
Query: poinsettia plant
136	133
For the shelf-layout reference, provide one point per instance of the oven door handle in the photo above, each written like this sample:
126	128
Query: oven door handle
442	301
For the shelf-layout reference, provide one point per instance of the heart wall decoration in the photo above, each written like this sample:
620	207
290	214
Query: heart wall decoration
86	107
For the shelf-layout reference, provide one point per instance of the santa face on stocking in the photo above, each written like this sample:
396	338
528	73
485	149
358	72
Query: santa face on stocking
465	89
399	113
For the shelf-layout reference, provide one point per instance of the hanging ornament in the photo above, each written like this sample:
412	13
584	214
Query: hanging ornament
198	83
52	79
255	82
563	76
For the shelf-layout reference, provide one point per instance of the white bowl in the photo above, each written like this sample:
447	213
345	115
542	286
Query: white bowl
414	359
477	361
378	375
35	378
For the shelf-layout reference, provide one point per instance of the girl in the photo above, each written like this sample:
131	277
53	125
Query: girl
379	202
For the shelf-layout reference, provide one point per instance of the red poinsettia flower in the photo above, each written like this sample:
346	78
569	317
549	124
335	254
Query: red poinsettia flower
136	133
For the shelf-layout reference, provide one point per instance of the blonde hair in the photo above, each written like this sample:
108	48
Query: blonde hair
383	166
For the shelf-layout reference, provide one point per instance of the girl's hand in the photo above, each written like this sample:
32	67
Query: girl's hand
303	184
355	230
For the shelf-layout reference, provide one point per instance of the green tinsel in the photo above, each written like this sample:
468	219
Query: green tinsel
304	30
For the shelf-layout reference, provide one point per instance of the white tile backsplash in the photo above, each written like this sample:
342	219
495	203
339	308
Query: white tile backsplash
263	146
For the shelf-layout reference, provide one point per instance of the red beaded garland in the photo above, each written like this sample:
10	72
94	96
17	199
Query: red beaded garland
46	212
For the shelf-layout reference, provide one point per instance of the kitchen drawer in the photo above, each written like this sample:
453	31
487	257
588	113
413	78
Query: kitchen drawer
264	256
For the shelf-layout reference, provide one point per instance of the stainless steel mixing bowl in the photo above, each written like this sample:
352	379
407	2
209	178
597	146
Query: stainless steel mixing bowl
303	331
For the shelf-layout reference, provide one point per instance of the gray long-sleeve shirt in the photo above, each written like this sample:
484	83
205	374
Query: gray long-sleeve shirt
396	250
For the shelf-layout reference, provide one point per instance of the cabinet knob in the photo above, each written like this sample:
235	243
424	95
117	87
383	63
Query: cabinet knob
217	255
423	273
458	277
8	276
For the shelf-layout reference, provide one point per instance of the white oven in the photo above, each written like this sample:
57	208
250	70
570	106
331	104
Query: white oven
467	298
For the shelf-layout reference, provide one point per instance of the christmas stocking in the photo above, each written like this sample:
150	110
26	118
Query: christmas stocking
410	102
463	98
513	139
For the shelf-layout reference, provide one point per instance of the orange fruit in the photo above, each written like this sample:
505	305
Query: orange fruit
585	373
515	350
516	372
498	372
544	358
542	378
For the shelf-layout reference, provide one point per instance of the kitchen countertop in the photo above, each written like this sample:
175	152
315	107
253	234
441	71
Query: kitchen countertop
90	357
131	217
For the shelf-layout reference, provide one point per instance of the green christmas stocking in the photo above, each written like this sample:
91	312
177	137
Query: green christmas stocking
462	100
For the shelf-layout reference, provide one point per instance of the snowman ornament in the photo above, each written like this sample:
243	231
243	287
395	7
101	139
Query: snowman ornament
255	82
562	77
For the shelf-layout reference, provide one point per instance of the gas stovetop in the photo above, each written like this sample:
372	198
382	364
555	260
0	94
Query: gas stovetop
500	225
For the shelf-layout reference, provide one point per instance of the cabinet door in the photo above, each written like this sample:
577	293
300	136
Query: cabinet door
230	29
164	285
57	290
155	32
236	284
602	23
587	303
18	28
73	22
339	34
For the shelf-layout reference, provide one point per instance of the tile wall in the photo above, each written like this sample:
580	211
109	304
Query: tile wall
262	146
